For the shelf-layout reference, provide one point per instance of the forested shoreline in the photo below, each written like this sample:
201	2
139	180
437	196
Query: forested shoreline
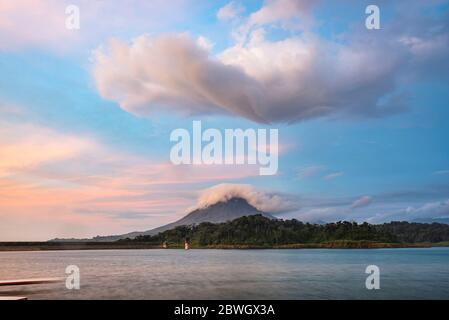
261	231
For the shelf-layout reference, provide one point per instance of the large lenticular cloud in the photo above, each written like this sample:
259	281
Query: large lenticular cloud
173	72
261	200
285	81
288	79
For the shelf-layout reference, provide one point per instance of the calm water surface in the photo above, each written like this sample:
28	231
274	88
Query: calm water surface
232	274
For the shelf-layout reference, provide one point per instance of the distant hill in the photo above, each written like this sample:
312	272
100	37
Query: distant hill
219	212
432	220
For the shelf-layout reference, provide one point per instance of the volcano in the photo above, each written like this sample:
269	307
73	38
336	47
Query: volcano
216	213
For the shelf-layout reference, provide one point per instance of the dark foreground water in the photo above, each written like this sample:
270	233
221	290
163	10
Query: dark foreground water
232	274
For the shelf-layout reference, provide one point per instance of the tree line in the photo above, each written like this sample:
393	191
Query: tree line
259	230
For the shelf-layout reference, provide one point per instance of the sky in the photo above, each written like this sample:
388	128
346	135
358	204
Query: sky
86	114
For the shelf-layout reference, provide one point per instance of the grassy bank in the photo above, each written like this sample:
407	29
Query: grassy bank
49	246
340	244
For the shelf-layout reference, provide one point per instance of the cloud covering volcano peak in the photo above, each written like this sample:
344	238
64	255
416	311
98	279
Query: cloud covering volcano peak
262	200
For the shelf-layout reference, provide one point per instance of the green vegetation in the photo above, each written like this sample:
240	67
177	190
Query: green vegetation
416	232
260	232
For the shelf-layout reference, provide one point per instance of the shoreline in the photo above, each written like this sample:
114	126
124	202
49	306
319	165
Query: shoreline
68	246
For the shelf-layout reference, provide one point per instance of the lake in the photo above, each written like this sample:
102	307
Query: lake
232	274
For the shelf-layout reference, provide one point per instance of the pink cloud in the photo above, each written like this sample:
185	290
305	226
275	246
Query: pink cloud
41	24
34	23
73	186
32	146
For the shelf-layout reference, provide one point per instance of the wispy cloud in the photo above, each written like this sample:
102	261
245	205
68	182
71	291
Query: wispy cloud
333	176
362	202
429	210
441	172
230	11
309	171
24	147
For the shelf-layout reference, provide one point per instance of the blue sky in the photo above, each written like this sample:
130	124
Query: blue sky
86	115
